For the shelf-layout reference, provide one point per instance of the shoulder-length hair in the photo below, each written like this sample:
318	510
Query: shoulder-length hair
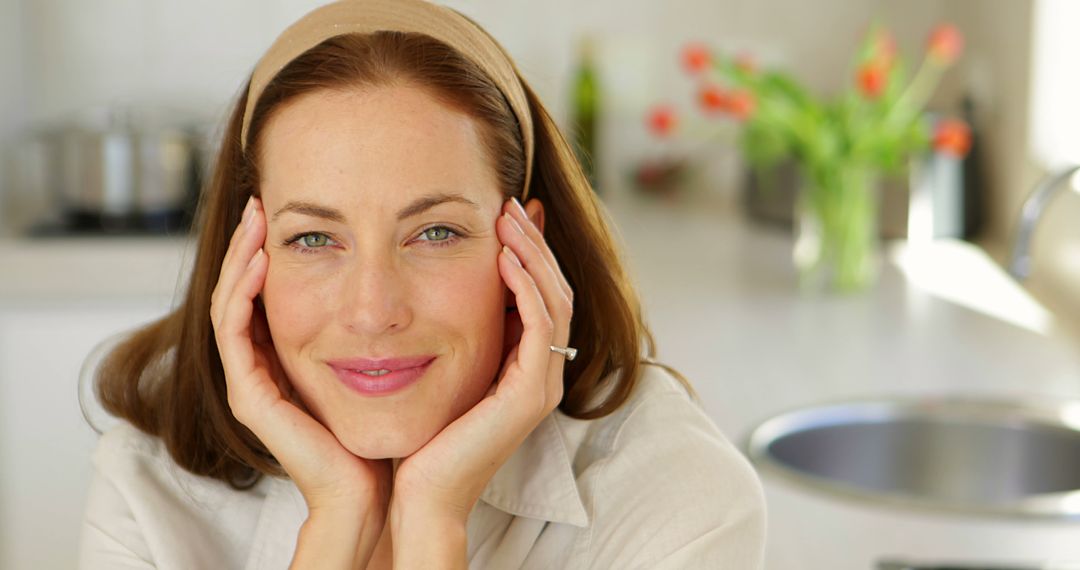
167	378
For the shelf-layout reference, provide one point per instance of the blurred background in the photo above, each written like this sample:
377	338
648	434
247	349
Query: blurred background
110	111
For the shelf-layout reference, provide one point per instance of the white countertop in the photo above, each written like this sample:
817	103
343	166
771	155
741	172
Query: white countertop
91	270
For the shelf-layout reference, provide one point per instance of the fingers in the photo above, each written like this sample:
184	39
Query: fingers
534	255
246	239
544	306
236	320
242	274
234	336
536	237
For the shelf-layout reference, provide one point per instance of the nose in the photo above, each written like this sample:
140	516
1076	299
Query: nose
375	296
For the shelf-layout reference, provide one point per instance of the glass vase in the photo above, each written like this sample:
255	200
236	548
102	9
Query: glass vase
837	247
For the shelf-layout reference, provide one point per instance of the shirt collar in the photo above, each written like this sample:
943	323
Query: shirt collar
538	480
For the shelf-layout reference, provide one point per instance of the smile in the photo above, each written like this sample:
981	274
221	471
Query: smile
381	381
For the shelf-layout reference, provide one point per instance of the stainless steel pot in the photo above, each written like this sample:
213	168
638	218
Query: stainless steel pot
167	175
117	177
97	174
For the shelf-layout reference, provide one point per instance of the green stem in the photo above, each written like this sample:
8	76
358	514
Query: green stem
841	198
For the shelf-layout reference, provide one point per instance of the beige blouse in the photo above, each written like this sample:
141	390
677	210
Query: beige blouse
652	485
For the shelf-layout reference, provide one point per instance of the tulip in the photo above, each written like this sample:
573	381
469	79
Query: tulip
872	77
712	99
696	58
662	120
741	104
945	44
884	48
952	137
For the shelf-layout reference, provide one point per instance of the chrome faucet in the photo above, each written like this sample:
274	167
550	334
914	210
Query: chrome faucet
1020	262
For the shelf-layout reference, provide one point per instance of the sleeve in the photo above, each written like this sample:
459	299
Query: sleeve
676	494
111	538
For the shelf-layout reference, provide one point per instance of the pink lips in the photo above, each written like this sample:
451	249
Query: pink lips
403	373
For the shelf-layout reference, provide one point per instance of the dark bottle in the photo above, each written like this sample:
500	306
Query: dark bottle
584	120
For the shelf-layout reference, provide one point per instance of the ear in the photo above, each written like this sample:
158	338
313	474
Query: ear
535	210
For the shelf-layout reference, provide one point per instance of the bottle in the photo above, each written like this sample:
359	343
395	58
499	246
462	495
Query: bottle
585	110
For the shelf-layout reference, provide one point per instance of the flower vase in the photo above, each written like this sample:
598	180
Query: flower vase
837	247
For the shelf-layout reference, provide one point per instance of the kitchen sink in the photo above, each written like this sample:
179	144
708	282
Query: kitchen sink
977	456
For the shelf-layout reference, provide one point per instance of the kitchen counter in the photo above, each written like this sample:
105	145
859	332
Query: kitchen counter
721	297
92	270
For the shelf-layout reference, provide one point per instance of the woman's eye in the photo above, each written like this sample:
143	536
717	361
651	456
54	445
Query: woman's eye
309	242
314	240
440	236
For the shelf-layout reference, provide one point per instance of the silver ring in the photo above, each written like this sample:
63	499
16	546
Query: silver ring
568	352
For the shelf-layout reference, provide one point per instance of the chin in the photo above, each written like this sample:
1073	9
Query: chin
391	445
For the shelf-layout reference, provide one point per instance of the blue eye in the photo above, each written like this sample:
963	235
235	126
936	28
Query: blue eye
435	234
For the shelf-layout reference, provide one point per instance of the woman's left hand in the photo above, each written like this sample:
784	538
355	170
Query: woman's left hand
444	479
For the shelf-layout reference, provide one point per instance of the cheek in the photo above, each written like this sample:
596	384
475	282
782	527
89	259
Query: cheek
468	292
296	302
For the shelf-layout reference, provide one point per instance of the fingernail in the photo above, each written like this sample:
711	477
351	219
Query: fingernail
520	208
512	255
249	218
514	223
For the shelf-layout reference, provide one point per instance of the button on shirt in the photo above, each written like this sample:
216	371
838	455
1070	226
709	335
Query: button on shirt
652	485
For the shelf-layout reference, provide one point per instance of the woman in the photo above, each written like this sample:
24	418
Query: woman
384	359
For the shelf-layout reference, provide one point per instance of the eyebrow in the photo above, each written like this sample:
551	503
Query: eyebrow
418	206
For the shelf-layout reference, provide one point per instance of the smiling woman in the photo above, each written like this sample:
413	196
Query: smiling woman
353	169
385	359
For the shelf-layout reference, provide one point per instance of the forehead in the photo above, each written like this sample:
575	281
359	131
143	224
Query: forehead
384	144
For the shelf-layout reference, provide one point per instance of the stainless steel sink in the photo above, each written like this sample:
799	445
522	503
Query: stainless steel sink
973	456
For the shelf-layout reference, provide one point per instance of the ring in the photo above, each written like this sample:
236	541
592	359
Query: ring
568	352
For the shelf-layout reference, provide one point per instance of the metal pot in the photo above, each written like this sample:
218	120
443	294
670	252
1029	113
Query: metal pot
122	176
97	176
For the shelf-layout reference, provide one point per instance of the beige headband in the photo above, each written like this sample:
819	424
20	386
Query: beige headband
419	16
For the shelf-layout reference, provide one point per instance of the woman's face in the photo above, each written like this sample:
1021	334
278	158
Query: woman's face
381	209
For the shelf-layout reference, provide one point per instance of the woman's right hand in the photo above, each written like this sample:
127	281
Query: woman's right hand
345	494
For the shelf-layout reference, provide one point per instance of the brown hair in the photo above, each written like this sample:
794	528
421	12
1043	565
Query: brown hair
167	378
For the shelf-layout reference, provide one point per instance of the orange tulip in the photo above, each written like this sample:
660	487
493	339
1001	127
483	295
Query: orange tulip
872	78
662	120
696	58
884	48
712	99
945	44
741	104
952	137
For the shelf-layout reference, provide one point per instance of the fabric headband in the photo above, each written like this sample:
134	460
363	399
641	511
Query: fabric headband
418	16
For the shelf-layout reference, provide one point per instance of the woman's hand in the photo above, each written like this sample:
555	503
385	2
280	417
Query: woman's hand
436	487
347	496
